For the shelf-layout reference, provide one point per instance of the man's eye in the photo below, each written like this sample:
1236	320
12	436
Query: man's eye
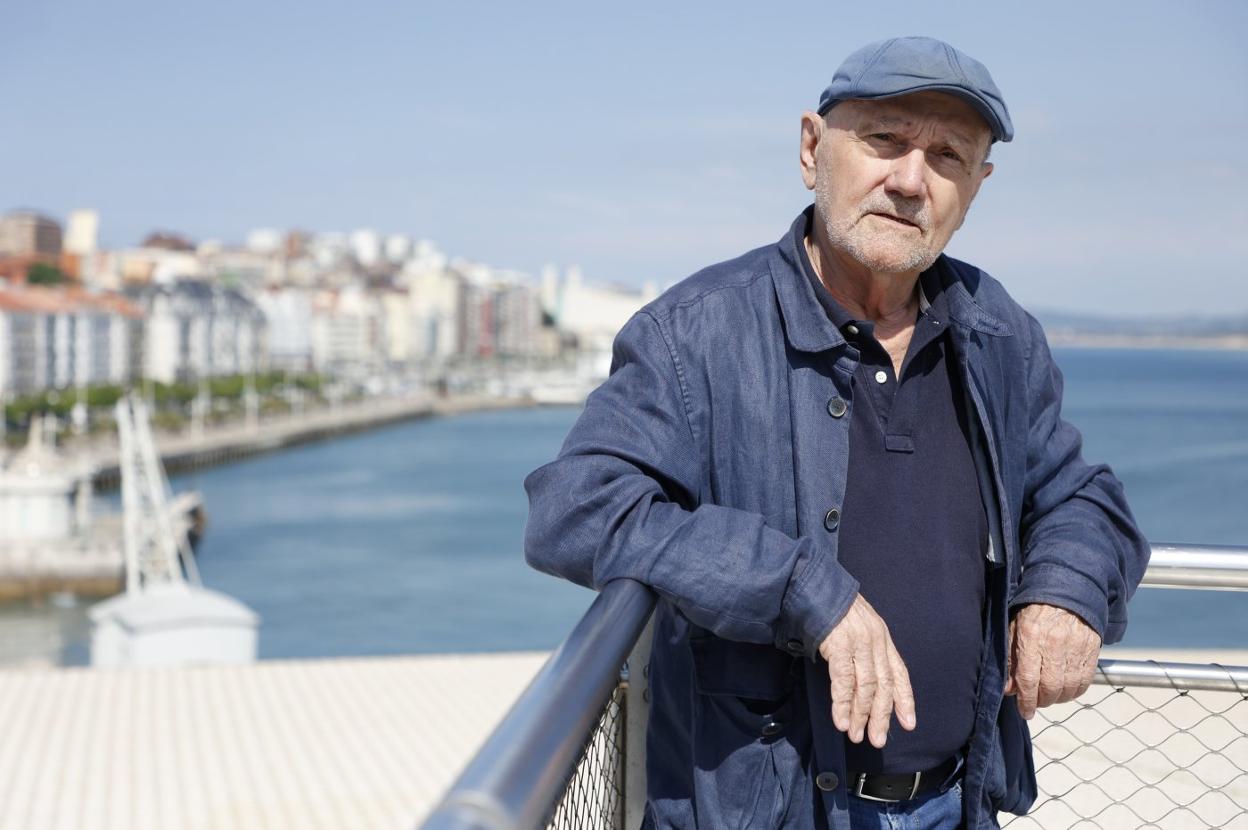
951	155
889	137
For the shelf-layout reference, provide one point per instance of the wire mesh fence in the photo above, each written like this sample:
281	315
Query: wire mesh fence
594	797
1127	757
1120	757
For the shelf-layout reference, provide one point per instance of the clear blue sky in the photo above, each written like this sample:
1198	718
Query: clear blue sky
641	141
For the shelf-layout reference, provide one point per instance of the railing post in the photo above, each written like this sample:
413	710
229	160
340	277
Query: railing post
636	721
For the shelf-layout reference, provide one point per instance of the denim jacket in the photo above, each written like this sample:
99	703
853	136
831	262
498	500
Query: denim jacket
704	467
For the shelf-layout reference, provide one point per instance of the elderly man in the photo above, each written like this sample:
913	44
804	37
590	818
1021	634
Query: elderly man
840	462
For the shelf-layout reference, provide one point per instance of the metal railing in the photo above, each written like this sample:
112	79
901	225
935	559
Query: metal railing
559	753
1211	567
1150	745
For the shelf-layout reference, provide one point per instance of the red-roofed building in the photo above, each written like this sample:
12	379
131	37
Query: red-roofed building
62	336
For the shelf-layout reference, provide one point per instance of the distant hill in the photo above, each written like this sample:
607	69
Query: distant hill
1064	328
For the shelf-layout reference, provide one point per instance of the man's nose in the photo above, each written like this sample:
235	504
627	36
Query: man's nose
907	175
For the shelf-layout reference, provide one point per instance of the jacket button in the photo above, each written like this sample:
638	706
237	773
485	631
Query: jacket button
837	407
827	781
795	647
772	728
832	519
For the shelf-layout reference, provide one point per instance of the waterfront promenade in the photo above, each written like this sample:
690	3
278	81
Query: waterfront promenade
191	449
342	743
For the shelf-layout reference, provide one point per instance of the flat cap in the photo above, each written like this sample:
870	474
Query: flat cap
903	65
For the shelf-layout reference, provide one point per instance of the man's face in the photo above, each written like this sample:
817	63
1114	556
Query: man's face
893	178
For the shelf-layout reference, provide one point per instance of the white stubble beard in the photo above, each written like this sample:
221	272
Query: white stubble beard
848	234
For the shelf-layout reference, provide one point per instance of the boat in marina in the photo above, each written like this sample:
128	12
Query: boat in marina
54	538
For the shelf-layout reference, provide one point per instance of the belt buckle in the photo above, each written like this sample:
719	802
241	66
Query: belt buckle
862	779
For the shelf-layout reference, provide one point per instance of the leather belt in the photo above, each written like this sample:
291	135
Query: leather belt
901	786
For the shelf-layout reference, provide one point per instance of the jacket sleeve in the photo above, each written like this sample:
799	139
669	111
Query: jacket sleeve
1082	550
622	499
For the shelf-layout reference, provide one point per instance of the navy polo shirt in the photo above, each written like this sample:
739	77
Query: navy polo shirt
913	530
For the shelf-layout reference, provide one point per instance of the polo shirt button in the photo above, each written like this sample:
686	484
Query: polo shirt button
851	328
832	518
827	781
795	647
772	728
837	407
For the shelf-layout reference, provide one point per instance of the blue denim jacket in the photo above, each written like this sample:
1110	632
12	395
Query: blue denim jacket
704	466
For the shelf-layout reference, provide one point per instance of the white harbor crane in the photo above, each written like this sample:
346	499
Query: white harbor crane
165	616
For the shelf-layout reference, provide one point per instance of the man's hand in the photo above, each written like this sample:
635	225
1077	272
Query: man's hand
869	680
1052	657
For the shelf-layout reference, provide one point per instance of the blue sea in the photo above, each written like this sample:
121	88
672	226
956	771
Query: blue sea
408	539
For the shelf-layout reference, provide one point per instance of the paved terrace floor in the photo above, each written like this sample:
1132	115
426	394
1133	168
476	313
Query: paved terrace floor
344	743
368	743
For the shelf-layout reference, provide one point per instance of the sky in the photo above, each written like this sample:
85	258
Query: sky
640	141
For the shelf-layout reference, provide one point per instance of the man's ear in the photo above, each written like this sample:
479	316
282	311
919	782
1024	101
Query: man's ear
812	134
984	172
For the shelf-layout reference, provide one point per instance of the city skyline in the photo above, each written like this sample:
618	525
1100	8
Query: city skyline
641	148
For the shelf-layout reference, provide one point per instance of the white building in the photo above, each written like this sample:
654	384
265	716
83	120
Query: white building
366	247
288	314
241	268
197	329
593	314
328	250
402	331
60	337
264	241
433	293
398	248
348	332
82	233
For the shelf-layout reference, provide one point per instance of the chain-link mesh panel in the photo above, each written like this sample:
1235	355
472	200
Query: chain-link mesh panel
1121	758
594	798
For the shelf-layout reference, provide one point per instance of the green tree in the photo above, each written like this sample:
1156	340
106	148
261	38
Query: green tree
41	273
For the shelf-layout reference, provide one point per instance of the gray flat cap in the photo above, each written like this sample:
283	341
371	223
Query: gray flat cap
913	64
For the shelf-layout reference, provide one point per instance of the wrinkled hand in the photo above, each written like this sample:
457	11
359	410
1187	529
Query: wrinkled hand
1052	657
869	680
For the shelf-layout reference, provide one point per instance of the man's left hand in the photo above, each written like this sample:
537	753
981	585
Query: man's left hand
1052	657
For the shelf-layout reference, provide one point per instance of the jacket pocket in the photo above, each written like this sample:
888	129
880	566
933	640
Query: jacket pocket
745	670
1011	776
745	703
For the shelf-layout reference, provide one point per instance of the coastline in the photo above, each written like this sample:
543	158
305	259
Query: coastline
1221	343
183	451
75	566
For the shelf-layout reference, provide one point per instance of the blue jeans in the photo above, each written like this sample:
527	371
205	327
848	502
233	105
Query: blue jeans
938	811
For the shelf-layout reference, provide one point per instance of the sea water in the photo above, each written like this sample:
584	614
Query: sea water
409	539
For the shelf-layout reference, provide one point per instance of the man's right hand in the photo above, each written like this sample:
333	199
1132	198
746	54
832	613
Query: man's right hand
869	680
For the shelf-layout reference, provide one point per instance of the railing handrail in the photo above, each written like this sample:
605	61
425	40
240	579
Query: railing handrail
1198	566
518	775
1181	677
515	780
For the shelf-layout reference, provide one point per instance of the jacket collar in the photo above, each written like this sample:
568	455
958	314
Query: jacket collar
963	308
806	324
